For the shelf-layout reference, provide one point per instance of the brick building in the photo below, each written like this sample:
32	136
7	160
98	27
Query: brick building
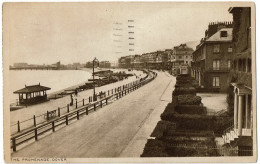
240	135
212	58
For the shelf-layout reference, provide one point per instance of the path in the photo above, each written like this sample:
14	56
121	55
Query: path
112	130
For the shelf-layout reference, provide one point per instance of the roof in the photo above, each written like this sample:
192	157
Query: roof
32	88
216	36
182	47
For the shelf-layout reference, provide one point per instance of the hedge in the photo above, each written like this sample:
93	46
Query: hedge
189	100
209	141
190	109
184	90
163	127
195	122
154	148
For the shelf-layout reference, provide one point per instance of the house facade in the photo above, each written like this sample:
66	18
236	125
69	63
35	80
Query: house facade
240	134
181	59
212	58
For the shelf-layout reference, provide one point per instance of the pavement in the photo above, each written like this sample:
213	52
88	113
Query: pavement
120	129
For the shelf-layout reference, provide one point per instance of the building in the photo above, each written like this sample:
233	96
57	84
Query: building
240	134
32	94
181	59
136	62
20	65
104	64
124	62
212	58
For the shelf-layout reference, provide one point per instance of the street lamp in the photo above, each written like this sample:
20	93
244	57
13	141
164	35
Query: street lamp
94	93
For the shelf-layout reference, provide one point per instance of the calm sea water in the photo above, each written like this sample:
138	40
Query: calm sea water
54	79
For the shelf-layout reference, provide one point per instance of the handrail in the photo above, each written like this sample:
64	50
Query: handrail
74	114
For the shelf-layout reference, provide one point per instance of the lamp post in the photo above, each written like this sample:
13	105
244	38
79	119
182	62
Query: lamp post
94	93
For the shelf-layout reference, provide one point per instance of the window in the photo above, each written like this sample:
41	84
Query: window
229	64
216	64
180	57
215	81
230	49
186	62
186	57
248	65
216	48
223	33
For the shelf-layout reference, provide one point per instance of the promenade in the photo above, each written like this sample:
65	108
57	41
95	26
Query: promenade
40	109
119	129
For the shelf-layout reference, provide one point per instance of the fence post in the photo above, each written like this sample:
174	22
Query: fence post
53	126
47	115
94	106
77	115
68	108
76	103
86	110
108	92
67	120
18	126
112	91
89	100
34	120
83	102
35	135
14	144
59	111
106	101
101	104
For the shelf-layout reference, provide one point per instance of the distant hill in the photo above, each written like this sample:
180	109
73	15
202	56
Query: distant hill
192	44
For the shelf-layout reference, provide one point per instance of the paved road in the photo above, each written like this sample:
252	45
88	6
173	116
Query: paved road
112	131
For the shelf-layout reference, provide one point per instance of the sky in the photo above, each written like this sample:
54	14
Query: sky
45	33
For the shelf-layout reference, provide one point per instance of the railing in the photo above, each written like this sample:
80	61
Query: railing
39	119
64	118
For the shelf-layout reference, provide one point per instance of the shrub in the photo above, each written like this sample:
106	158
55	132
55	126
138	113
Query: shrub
189	100
190	109
184	90
168	112
163	127
154	148
196	122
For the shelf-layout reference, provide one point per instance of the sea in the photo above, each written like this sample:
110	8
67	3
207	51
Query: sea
57	80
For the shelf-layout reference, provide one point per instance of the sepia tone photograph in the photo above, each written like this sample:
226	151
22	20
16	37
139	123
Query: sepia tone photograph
129	82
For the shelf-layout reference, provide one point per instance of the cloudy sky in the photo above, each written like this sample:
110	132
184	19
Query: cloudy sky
44	33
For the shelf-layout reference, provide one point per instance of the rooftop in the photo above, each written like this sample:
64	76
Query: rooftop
32	88
217	36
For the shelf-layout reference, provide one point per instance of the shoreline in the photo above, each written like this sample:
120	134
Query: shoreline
69	90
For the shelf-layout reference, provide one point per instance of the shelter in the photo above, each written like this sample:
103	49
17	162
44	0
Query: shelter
32	94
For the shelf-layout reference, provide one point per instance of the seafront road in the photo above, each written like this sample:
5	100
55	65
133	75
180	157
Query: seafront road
120	129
